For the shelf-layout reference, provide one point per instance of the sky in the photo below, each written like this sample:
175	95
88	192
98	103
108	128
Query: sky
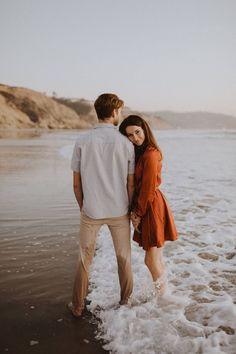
177	55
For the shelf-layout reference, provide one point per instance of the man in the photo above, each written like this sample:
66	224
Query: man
103	168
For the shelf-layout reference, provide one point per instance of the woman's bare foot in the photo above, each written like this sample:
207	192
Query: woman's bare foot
160	285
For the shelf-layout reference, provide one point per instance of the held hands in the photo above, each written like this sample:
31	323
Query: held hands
135	221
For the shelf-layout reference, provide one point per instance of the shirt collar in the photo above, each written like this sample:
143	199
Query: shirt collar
105	125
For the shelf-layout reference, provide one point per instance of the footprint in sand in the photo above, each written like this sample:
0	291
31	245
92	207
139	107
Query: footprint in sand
226	329
178	261
197	313
198	287
188	329
191	311
214	285
230	276
208	256
230	255
219	245
185	274
201	300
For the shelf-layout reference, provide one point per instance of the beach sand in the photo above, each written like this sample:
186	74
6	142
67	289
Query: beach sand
38	248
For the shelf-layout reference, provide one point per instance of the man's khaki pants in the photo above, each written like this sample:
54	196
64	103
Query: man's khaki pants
120	231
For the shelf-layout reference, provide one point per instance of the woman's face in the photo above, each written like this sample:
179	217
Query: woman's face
135	134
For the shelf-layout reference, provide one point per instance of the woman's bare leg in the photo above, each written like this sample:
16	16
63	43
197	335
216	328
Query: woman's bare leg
155	263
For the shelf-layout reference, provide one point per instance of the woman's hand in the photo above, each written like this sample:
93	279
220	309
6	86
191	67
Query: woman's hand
135	221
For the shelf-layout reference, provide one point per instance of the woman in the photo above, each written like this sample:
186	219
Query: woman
150	214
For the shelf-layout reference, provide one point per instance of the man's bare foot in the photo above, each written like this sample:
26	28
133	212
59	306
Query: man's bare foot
75	312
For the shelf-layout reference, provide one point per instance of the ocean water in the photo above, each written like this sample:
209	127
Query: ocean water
39	233
198	313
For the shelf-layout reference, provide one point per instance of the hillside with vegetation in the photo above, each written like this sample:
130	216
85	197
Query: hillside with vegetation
25	108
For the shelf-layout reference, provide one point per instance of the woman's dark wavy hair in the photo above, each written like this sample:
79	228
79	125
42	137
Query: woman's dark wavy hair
149	141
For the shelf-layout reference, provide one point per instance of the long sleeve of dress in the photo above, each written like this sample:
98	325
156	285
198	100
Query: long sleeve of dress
149	180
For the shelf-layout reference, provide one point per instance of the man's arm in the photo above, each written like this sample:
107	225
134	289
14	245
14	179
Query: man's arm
78	188
130	187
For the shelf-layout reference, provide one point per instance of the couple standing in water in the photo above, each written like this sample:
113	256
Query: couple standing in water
116	177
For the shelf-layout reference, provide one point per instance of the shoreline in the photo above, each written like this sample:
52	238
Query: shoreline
46	328
38	253
38	242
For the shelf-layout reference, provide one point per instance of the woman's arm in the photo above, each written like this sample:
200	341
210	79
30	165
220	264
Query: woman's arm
151	167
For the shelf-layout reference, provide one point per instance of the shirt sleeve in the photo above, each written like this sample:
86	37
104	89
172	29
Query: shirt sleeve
131	160
76	158
148	186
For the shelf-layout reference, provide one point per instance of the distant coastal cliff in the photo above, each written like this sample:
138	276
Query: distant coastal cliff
25	108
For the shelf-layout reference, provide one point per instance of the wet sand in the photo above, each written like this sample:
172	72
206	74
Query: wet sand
38	248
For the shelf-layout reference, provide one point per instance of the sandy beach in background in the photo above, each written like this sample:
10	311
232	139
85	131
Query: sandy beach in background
38	245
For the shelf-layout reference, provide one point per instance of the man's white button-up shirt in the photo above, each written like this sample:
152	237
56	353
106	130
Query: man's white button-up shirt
104	158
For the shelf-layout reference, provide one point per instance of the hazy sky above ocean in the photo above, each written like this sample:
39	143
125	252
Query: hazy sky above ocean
156	54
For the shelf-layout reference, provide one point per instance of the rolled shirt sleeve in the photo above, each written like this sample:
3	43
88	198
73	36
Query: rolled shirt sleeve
131	160
76	158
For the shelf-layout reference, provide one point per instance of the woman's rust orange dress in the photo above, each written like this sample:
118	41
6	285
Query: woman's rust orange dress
157	222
